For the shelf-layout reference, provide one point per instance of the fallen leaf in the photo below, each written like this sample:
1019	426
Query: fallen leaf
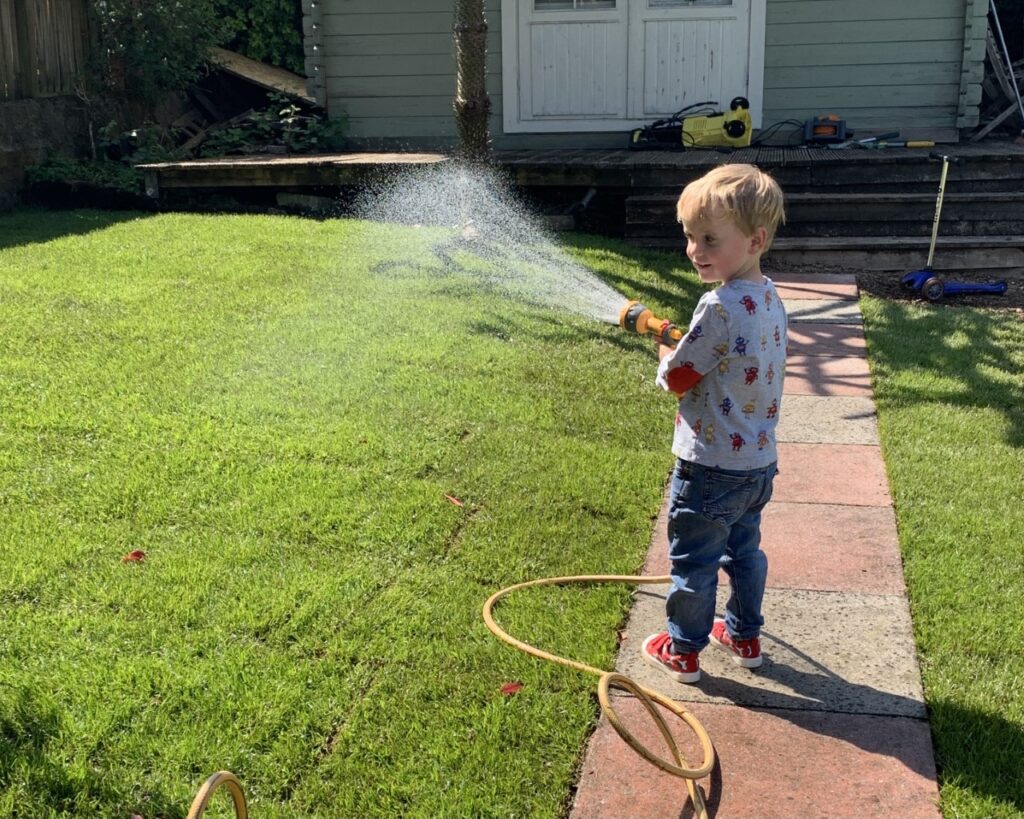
456	501
512	688
134	556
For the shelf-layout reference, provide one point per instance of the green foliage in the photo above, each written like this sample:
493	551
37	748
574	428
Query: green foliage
266	30
151	48
103	173
119	153
283	123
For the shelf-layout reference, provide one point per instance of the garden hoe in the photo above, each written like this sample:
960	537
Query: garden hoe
924	281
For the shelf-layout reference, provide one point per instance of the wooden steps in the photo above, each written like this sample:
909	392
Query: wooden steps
862	214
881	253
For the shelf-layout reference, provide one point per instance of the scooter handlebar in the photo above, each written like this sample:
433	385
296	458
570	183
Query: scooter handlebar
952	160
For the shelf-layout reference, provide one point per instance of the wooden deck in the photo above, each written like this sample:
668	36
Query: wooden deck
601	168
796	168
880	201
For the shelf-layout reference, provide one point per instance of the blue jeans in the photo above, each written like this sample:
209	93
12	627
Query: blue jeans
715	521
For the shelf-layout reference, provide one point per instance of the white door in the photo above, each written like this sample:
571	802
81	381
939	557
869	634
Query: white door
600	65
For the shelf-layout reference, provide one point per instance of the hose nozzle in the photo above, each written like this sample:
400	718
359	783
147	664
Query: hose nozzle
637	318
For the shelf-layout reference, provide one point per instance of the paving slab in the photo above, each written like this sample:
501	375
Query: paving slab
796	286
812	338
823	311
813	419
872	669
827	375
777	763
824	547
816	546
849	474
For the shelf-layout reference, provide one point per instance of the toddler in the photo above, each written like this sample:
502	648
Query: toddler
728	373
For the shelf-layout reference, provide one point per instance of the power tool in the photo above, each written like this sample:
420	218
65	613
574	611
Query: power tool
732	128
637	318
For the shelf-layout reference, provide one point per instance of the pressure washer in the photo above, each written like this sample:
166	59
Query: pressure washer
703	127
925	281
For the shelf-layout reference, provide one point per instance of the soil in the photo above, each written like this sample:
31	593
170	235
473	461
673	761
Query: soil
887	285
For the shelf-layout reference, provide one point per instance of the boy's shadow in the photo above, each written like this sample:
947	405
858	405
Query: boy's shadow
968	762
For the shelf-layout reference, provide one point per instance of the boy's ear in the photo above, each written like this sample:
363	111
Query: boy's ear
758	240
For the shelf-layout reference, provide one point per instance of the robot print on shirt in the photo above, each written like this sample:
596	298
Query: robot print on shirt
749	304
737	441
726	406
740	348
773	410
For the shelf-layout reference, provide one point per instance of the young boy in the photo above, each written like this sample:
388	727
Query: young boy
728	371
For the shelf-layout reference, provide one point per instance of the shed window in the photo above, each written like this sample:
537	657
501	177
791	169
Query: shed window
669	4
579	5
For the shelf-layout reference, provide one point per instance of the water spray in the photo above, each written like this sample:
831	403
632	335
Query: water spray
635	317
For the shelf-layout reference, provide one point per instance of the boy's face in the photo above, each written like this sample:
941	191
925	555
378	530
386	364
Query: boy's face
720	251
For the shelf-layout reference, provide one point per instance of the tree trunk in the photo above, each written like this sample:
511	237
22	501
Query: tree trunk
472	105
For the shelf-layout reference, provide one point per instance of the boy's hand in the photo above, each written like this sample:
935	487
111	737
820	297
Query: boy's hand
662	349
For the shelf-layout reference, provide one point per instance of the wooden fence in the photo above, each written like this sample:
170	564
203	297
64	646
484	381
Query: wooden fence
44	45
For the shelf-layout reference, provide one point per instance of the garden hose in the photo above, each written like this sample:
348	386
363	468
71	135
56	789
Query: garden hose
234	787
646	696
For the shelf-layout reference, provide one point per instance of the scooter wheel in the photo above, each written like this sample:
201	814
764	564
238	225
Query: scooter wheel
933	289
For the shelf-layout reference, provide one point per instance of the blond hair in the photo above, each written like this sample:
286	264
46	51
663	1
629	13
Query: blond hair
745	194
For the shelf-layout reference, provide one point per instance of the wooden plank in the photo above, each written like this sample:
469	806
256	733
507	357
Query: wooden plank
865	31
810	11
9	55
411	21
442	85
810	56
265	76
883	75
862	96
399	44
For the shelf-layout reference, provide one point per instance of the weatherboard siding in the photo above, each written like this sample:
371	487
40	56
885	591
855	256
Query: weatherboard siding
878	64
389	67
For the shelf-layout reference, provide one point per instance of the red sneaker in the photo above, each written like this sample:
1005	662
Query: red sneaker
657	650
745	653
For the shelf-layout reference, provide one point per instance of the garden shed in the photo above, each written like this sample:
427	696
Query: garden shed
583	73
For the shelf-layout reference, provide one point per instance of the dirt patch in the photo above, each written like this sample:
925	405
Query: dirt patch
887	285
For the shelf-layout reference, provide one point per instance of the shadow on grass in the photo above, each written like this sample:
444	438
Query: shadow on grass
978	752
27	727
932	339
26	226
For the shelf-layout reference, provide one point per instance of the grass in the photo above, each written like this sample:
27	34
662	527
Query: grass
274	411
950	396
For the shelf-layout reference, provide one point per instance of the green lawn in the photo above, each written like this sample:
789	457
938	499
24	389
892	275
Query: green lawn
949	385
273	410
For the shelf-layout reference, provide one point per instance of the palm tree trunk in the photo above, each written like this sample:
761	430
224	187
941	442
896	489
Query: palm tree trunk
472	105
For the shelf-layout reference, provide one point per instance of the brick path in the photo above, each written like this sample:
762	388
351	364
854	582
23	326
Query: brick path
833	724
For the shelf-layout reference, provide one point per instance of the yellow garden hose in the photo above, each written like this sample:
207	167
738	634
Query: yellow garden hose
646	696
234	787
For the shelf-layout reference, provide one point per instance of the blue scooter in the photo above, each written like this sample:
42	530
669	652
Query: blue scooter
924	281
